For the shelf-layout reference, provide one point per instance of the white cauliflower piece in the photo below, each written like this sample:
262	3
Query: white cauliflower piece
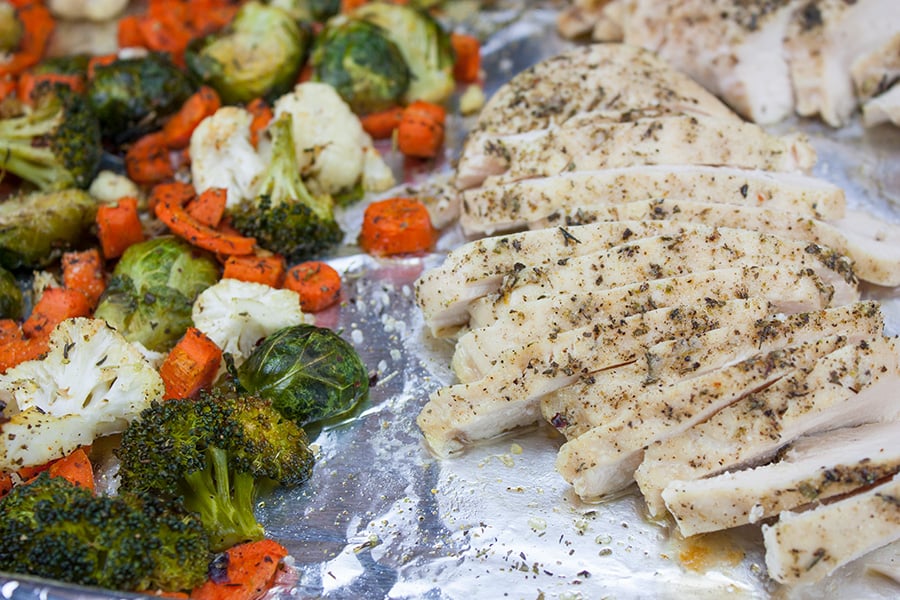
91	383
92	10
333	150
236	314
222	155
108	187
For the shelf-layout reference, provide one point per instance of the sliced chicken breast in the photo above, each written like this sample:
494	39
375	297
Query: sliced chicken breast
884	108
875	72
851	386
592	141
812	469
873	245
505	207
808	546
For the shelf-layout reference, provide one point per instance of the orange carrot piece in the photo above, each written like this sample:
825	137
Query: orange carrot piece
166	32
147	160
191	365
83	271
467	49
348	6
268	270
317	283
15	347
75	467
28	81
178	129
381	125
205	17
396	226
100	61
8	86
208	208
129	33
169	200
37	24
55	306
421	129
252	567
262	116
119	226
6	484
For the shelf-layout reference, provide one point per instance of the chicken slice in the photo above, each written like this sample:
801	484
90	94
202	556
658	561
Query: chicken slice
884	108
824	40
812	469
592	141
851	386
507	397
875	72
806	547
872	244
515	205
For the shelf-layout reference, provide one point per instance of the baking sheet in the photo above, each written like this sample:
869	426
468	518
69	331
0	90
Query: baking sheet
382	518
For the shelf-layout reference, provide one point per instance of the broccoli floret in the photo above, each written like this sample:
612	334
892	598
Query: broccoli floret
216	454
52	528
284	217
55	145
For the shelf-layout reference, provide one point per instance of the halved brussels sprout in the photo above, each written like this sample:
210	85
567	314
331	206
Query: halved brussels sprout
11	300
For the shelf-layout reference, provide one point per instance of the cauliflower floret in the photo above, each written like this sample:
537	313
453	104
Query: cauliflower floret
222	155
108	187
92	10
236	314
91	383
333	150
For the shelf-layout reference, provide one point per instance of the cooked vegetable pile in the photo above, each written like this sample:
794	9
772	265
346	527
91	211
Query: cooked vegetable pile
166	217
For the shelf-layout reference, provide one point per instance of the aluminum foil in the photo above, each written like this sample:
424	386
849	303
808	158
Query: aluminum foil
382	518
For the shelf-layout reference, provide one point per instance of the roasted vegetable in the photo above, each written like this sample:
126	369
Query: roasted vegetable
35	228
309	10
10	296
361	62
216	454
284	217
55	145
52	528
425	46
70	64
152	290
309	373
132	96
258	55
11	28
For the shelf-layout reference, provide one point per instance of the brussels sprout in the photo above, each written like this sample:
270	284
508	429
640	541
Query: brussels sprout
11	300
359	60
309	373
152	290
258	54
131	96
424	44
35	228
309	10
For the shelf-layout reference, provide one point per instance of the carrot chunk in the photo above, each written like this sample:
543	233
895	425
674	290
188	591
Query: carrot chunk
317	283
421	129
147	161
84	272
37	24
381	125
268	270
397	226
262	116
208	207
251	570
467	49
191	365
55	306
178	129
75	467
118	227
129	33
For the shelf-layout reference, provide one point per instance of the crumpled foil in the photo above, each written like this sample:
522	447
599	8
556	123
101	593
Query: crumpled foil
382	518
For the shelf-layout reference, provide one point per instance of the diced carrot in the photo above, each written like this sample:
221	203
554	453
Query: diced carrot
317	283
147	160
76	468
421	129
467	49
15	347
268	270
38	24
55	306
381	125
191	365
119	226
83	271
100	61
166	31
205	17
6	484
208	207
348	6
178	129
169	200
251	570
262	116
129	33
396	226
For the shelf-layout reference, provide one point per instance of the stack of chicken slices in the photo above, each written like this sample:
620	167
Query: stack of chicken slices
681	301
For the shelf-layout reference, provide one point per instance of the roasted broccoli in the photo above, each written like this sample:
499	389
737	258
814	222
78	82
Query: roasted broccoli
284	217
216	454
55	529
54	145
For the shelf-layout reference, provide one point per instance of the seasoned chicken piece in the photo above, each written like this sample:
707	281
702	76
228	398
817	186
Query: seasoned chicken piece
806	547
884	108
851	386
875	72
872	245
812	469
825	39
599	77
507	397
731	47
670	256
515	205
592	141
